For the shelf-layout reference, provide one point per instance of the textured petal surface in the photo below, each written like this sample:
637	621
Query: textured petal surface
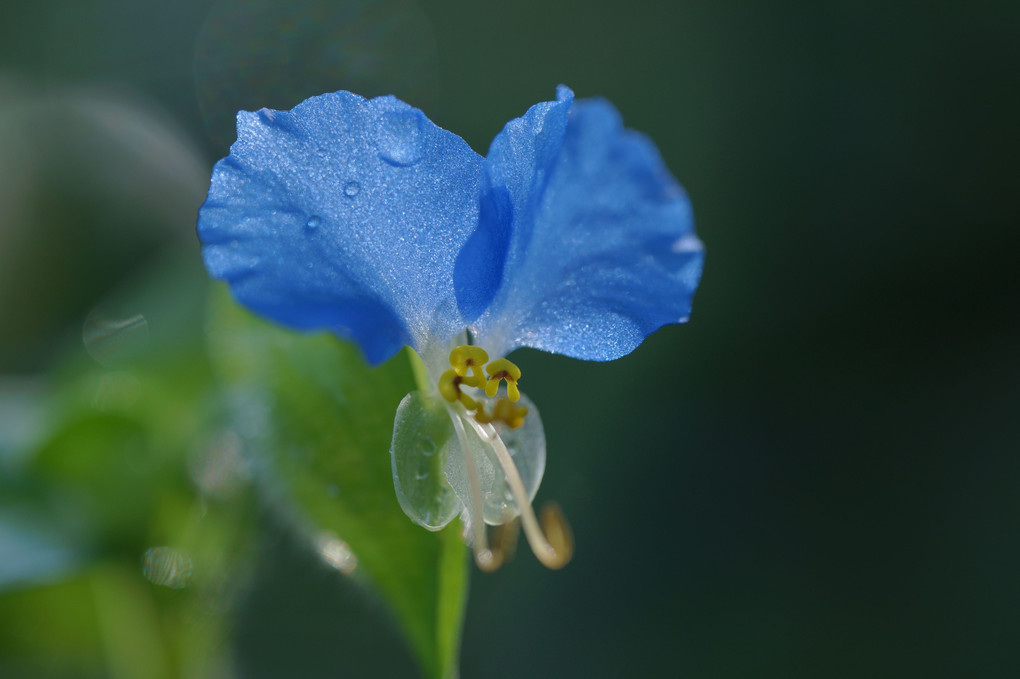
601	251
520	162
344	214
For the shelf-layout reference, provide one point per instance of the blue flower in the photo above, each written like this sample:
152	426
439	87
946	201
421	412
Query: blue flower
363	218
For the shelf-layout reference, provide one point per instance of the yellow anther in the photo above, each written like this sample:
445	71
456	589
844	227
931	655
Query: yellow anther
558	535
502	369
449	389
449	386
503	411
467	358
514	415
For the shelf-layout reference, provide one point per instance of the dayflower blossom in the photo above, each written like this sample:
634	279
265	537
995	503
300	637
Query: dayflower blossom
362	218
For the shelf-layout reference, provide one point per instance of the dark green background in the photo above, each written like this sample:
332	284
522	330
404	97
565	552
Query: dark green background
817	477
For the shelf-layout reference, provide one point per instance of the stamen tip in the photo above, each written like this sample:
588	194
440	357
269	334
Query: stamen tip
558	534
487	561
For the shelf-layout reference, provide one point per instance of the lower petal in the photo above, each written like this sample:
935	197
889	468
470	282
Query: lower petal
422	441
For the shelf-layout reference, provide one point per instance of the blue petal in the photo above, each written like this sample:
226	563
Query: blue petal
601	251
345	215
518	167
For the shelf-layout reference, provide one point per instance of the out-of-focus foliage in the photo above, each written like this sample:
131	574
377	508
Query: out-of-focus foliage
125	514
318	421
92	184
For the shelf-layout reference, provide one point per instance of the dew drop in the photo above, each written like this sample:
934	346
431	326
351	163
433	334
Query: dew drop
167	567
402	137
351	189
423	471
313	223
498	504
686	243
427	447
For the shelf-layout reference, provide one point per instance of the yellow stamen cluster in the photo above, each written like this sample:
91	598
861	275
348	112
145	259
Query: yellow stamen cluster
466	368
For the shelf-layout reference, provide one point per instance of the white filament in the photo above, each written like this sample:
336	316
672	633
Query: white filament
544	551
483	555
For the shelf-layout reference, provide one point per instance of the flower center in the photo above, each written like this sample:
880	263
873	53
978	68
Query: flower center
550	540
466	369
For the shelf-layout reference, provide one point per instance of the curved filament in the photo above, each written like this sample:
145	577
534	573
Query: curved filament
484	556
551	541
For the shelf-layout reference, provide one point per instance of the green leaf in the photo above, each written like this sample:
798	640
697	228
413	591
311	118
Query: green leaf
318	421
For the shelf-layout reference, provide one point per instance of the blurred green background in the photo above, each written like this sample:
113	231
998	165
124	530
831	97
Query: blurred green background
817	476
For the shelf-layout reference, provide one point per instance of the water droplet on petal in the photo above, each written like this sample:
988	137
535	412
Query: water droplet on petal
498	507
351	189
423	472
427	447
313	223
167	567
402	137
687	243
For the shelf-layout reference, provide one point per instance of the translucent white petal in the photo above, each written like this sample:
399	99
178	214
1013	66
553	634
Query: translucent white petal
526	446
422	436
